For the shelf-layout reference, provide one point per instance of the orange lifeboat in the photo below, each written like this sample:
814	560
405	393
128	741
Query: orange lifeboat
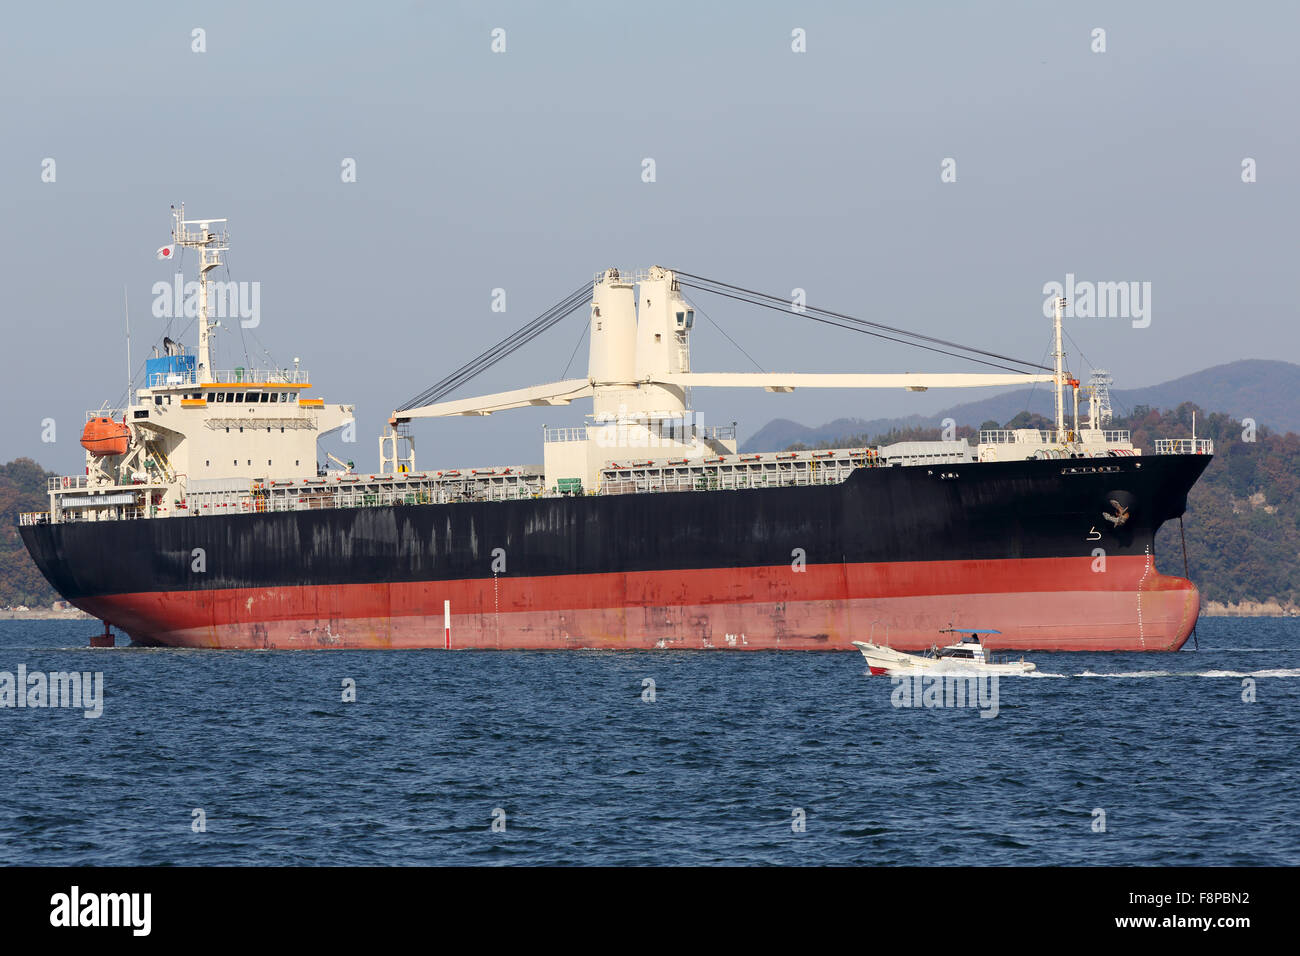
103	437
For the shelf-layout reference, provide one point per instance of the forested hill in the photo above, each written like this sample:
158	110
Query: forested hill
22	488
1243	520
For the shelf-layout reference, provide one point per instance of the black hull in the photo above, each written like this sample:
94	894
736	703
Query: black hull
967	516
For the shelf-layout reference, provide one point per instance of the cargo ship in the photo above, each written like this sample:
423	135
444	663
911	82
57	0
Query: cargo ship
204	520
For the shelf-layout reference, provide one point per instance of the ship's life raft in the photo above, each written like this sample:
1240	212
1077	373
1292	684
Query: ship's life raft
103	436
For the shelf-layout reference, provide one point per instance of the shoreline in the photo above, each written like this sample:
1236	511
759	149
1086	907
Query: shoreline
72	614
1249	609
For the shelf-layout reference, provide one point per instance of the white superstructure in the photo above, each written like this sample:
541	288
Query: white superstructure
192	429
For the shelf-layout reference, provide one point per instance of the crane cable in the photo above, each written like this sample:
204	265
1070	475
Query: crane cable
837	319
517	339
582	295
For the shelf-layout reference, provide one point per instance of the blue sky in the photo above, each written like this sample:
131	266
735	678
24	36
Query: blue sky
522	170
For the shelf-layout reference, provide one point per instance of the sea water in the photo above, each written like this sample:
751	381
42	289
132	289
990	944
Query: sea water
704	757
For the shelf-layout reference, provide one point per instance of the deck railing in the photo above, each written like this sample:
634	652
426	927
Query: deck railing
1116	436
719	481
236	376
609	430
1032	436
1184	446
1012	436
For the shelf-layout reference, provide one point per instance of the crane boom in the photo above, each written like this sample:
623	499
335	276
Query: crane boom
789	381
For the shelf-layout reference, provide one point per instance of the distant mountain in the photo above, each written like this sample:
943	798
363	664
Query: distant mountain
781	433
1267	391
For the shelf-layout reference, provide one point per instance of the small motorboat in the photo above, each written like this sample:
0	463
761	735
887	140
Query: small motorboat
966	656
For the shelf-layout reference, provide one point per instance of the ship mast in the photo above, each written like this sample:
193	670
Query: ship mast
210	245
1060	374
130	376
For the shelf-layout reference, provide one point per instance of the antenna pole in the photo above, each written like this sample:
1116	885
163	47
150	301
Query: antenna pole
1060	374
130	377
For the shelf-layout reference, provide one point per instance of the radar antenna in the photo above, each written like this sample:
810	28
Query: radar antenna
1099	384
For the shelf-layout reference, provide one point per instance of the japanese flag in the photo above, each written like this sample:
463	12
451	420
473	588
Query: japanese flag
166	252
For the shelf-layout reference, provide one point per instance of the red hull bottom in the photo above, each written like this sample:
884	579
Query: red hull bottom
1055	604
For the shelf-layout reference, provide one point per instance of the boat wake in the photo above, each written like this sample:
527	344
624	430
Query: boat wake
1270	672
